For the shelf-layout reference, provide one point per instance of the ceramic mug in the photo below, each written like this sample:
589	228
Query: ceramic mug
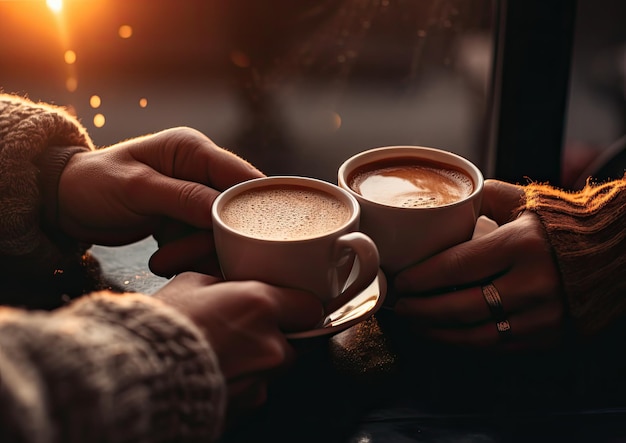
294	232
415	201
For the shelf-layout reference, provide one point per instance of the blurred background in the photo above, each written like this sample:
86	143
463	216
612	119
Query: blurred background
296	87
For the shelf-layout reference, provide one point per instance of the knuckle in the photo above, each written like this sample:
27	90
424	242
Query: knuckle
259	296
185	132
189	195
190	138
136	181
455	264
278	355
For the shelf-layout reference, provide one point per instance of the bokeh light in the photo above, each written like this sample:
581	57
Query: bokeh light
125	31
71	84
70	57
95	101
99	120
143	102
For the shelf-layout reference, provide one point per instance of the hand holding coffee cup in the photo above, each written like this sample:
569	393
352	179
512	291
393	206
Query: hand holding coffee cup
295	232
415	201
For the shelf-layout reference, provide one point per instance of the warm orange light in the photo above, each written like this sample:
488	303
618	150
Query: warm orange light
55	5
125	31
71	110
71	84
98	120
143	102
70	57
94	101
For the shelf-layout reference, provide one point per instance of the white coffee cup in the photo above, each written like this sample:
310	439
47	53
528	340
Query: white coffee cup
408	234
294	232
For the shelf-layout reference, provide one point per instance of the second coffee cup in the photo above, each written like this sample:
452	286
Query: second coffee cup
415	201
294	232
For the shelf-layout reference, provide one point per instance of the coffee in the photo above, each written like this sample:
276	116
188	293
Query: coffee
284	212
411	183
294	232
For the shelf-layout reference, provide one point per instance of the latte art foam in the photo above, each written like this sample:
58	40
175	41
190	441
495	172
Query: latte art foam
284	212
411	184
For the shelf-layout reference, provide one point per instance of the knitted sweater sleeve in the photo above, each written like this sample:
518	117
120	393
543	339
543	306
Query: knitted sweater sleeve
587	231
108	367
36	141
114	368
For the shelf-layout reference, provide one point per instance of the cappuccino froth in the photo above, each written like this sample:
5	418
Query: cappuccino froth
411	183
284	212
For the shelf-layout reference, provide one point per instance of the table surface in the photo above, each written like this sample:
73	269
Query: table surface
371	384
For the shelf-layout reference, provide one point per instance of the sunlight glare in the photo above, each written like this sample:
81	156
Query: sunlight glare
55	5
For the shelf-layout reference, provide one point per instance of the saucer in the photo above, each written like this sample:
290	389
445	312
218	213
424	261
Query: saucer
358	309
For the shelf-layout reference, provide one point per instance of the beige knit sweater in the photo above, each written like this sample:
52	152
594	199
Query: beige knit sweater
109	367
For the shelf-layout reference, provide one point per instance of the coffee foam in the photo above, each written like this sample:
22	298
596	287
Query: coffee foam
412	185
284	212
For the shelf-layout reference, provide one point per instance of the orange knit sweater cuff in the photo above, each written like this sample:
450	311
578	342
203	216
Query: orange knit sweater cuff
587	230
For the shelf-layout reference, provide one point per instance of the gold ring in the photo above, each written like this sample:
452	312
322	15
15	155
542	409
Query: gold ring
492	297
494	302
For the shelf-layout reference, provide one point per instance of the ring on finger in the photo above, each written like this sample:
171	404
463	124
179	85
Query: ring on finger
494	302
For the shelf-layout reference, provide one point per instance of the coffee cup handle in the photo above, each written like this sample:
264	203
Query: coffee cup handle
369	263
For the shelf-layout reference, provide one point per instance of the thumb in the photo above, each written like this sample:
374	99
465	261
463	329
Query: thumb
159	195
502	201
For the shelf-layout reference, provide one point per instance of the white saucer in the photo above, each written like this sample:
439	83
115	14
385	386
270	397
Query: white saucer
360	308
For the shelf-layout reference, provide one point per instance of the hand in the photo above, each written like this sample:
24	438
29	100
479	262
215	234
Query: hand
162	184
244	322
442	295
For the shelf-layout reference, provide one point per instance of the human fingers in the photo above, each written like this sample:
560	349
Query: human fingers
246	318
188	154
519	245
501	201
296	310
459	317
537	328
464	264
251	303
468	306
152	194
185	254
245	323
189	280
170	230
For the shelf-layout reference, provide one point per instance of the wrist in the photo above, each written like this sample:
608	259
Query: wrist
52	163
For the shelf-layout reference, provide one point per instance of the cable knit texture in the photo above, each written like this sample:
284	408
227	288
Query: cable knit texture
110	367
587	230
27	132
